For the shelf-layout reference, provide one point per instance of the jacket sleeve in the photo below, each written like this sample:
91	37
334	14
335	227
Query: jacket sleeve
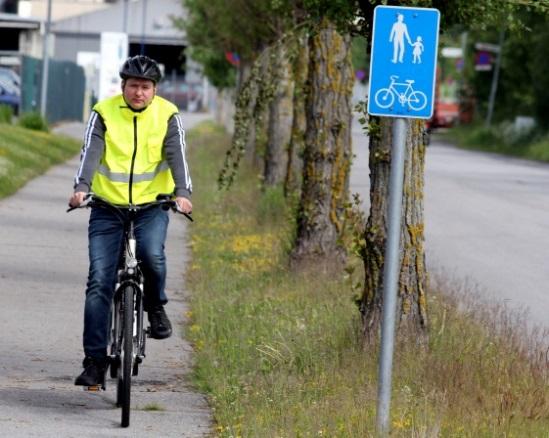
174	149
92	151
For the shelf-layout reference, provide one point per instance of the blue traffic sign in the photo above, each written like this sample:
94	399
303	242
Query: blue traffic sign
403	62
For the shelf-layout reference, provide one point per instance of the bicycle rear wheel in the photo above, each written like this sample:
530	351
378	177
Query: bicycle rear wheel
384	98
125	372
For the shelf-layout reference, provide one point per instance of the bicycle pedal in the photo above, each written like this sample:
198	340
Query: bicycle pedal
94	388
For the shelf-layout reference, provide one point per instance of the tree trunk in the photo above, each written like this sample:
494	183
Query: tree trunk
296	147
413	275
327	153
280	119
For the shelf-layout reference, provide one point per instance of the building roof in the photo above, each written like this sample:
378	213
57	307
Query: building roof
158	24
16	22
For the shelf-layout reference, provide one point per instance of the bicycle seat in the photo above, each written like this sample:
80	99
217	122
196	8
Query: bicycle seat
409	81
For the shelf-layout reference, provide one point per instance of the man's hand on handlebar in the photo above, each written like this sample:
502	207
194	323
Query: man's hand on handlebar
184	205
77	199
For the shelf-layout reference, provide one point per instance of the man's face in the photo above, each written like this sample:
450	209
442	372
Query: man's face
138	93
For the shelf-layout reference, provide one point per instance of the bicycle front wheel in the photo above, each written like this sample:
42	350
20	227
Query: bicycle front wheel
125	373
384	98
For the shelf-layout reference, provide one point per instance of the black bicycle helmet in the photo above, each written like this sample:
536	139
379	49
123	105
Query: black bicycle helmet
141	67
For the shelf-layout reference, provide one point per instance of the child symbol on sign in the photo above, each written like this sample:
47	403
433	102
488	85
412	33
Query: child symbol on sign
418	50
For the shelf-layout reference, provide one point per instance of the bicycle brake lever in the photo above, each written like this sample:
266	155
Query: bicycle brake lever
187	215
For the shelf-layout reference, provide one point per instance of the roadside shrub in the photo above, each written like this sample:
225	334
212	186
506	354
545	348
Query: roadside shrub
34	121
484	136
513	135
6	114
505	138
539	150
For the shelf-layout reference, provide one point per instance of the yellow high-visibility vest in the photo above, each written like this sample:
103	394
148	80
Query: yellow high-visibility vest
133	169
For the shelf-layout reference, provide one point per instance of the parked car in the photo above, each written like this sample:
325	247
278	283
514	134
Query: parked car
9	99
187	97
10	88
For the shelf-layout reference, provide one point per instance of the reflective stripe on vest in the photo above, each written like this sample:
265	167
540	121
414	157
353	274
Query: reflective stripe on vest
137	177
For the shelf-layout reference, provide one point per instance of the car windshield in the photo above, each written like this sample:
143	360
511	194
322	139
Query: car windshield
10	81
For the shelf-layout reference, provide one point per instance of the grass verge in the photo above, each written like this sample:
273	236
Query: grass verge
25	154
280	354
501	139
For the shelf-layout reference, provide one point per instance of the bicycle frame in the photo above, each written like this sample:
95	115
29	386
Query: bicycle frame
127	333
402	97
130	275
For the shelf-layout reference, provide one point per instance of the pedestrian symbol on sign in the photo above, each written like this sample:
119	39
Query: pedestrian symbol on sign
398	32
418	50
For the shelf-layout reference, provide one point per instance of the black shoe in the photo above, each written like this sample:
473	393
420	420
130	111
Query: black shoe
161	327
94	372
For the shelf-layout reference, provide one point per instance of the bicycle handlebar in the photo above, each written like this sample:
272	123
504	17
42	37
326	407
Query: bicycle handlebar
165	200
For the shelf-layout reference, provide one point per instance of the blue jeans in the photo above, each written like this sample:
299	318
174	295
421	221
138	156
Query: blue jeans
106	239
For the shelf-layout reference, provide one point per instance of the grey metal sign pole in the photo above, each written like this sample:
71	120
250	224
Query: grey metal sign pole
390	275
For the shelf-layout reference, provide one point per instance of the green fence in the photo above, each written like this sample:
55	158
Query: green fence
66	87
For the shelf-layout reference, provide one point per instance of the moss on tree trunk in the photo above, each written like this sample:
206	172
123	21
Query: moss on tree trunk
292	181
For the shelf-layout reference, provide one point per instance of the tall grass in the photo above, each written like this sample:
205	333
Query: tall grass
281	354
6	114
25	154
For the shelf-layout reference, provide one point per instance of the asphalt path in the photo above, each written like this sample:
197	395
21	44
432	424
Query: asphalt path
43	270
486	223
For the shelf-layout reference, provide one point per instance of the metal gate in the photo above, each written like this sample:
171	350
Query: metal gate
66	87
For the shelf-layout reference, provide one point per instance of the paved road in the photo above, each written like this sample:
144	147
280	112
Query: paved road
487	222
43	268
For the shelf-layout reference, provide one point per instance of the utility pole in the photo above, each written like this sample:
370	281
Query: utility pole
125	17
143	22
495	80
45	64
461	82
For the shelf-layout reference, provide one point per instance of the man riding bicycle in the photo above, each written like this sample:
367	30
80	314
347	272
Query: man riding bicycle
134	150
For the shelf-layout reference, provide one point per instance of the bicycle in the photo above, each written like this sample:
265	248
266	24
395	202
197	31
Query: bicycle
127	333
385	97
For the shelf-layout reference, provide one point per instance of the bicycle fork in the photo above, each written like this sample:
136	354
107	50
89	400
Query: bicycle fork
138	312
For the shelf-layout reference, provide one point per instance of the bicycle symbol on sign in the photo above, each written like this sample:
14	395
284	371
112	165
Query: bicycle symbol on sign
385	97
